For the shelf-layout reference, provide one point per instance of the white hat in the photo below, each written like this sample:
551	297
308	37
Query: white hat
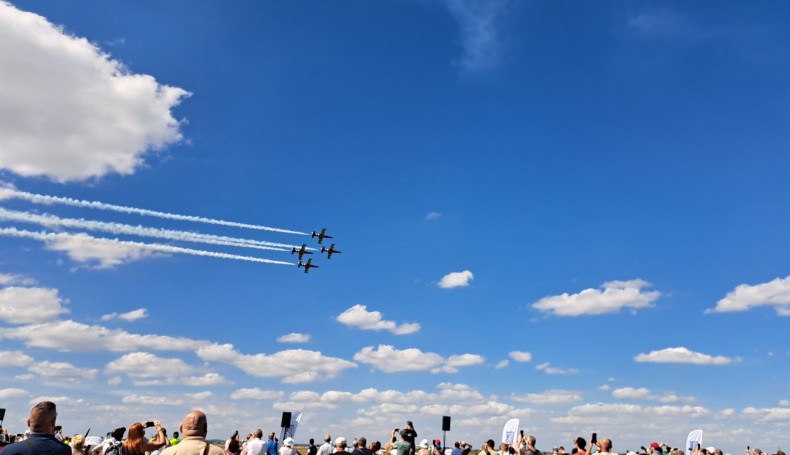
424	444
289	442
341	441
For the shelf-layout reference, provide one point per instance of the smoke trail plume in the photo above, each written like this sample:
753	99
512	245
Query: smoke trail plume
52	221
48	237
9	193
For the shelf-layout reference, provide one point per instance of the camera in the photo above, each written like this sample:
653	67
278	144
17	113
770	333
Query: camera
149	424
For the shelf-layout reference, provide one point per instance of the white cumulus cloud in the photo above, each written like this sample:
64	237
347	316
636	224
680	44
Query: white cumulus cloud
14	359
147	365
359	316
479	23
390	360
21	305
550	397
520	356
294	338
131	316
94	118
775	293
456	279
548	369
614	296
256	394
683	355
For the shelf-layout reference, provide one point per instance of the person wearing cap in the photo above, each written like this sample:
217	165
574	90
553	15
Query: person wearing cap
424	448
42	438
340	445
400	446
288	447
409	435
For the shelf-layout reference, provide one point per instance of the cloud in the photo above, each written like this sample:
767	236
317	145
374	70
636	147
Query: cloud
74	336
615	296
294	338
631	393
768	414
548	369
456	279
775	293
14	359
478	21
94	118
521	357
292	366
550	397
20	305
98	252
433	216
147	365
12	393
358	316
658	24
8	279
502	364
61	370
390	360
683	355
131	316
256	394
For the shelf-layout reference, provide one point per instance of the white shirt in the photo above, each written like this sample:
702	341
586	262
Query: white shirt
255	446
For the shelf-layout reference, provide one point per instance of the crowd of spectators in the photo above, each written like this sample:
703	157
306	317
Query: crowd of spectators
45	437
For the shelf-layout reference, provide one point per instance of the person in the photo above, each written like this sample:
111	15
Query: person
175	439
457	448
401	447
78	445
164	446
488	448
580	445
311	448
604	447
326	447
135	443
340	445
233	448
194	428
527	445
42	434
254	446
111	445
409	435
361	447
425	448
288	447
271	445
376	446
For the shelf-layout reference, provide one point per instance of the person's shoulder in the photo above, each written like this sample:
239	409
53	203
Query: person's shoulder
214	450
15	448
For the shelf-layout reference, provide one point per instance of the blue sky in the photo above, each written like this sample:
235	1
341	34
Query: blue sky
571	213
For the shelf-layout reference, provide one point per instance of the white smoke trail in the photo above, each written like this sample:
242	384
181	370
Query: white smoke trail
52	221
9	193
47	237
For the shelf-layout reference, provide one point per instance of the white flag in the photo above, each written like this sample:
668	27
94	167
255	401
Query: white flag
694	438
509	432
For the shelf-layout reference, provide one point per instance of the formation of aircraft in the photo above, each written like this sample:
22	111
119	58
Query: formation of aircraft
302	251
321	236
307	265
330	251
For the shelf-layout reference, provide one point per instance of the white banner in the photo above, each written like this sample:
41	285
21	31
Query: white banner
509	432
296	417
694	440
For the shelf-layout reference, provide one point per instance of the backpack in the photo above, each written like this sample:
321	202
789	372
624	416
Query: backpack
115	448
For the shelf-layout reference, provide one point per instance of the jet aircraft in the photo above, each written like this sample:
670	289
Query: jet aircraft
322	235
330	251
307	265
302	251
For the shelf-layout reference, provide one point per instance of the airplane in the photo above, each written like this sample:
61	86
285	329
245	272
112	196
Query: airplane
322	235
307	266
302	251
330	251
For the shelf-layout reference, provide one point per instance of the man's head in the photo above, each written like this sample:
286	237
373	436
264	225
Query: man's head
580	442
271	435
531	441
340	444
362	442
605	445
194	424
117	433
175	434
42	418
491	444
257	434
327	438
